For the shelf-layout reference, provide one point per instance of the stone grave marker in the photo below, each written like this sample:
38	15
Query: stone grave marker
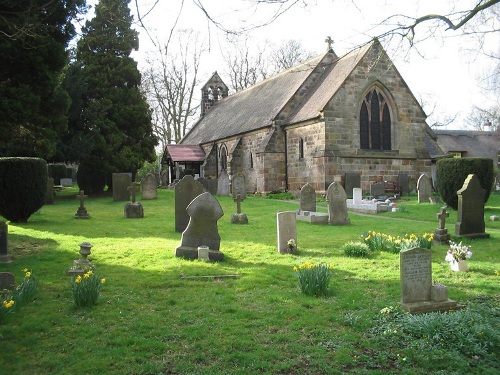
133	209
149	187
287	230
164	177
377	189
81	213
417	292
424	188
357	196
308	198
441	234
7	281
239	195
82	265
4	232
66	181
337	204
404	183
352	181
223	184
121	182
470	217
202	230
49	193
185	191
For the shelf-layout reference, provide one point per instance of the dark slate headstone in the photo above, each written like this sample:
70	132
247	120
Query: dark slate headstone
149	187
377	189
308	198
424	188
7	281
202	230
4	232
223	184
470	217
49	193
352	181
121	182
337	204
185	191
404	183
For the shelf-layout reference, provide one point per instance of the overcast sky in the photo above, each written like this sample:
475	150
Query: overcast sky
444	73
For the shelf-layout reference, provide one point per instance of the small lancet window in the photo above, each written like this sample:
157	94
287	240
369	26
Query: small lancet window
301	148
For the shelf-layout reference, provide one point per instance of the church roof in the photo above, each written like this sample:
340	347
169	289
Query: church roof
185	153
259	105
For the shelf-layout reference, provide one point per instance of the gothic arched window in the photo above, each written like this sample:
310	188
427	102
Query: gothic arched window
301	148
375	122
223	158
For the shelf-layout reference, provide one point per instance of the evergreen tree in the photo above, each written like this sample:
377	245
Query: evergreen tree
110	126
34	36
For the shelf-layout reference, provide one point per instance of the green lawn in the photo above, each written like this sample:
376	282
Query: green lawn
154	316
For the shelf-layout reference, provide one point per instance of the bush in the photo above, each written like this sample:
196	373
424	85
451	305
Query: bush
280	195
356	249
23	184
451	174
56	171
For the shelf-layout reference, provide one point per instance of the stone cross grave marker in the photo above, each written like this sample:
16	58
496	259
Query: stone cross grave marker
133	209
133	189
441	234
239	217
4	231
223	184
308	198
81	213
121	182
7	281
149	187
417	292
470	217
185	191
202	230
424	188
239	186
287	230
337	204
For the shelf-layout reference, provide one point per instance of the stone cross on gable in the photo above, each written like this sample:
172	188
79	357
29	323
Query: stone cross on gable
442	215
329	41
133	190
82	198
238	201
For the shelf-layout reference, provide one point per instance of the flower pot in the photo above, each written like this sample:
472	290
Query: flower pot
460	266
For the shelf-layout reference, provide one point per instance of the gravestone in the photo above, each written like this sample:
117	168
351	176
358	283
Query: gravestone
133	209
164	177
185	191
357	196
223	184
121	182
149	187
470	216
352	181
239	195
308	198
7	281
337	204
441	234
81	213
418	295
4	232
202	230
404	183
424	188
209	184
66	181
377	189
286	230
49	193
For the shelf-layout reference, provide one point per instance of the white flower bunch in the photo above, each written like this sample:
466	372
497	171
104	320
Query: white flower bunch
458	252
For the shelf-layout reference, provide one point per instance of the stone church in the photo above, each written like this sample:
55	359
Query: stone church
315	122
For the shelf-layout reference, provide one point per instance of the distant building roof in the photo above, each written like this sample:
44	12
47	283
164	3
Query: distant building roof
470	143
184	153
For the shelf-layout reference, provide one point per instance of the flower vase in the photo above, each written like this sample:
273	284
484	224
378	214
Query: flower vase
459	266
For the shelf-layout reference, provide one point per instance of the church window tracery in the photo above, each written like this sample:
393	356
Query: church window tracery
375	122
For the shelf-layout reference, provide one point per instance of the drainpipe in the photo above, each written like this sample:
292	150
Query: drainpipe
286	160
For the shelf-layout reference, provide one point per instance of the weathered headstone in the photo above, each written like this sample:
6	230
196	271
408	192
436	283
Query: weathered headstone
133	209
185	191
202	230
66	181
4	232
7	281
121	182
82	213
352	181
377	189
149	187
357	196
404	183
337	204
441	234
164	177
239	186
308	198
470	216
424	188
286	230
417	292
49	193
223	184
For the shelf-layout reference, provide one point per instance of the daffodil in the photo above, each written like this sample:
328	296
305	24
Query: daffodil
8	304
78	279
103	280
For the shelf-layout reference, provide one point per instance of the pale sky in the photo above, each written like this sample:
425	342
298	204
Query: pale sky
445	77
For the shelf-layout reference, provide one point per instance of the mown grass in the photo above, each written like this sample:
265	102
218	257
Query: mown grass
155	316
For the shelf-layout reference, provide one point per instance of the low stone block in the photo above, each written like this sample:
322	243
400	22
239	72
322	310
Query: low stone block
133	210
239	218
439	293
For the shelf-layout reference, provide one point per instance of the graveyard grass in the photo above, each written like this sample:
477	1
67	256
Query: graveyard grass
158	314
